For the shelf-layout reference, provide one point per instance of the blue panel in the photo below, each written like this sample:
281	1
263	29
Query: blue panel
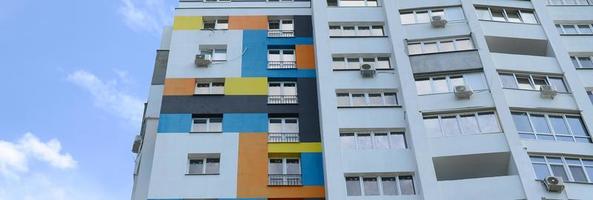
312	168
255	58
174	123
245	122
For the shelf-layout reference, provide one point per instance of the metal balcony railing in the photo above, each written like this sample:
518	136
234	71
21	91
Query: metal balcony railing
284	179
281	65
283	137
283	99
280	33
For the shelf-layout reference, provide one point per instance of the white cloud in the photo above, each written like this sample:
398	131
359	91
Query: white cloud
108	96
145	15
14	157
48	186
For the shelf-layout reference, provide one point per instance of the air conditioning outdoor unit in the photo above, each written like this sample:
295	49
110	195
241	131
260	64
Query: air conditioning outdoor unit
438	21
554	184
463	92
137	144
547	92
367	70
202	60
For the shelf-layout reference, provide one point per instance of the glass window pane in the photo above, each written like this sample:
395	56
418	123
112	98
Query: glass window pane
335	31
540	124
414	48
423	86
569	29
488	123
371	186
524	82
528	17
538	81
358	100
377	31
353	186
513	16
541	170
559	28
383	63
438	12
381	141
347	141
464	44
522	122
293	166
375	99
353	63
389	186
364	31
456	81
398	141
497	14
349	31
558	84
390	99
212	165
508	81
590	173
422	17
196	166
343	99
585	29
469	124
364	141
440	85
450	126
454	14
429	47
433	127
558	170
483	13
446	46
406	185
339	63
200	125
577	126
586	62
219	54
575	62
275	166
407	18
559	125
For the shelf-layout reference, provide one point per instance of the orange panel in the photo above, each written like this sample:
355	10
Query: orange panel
305	57
297	192
248	22
252	178
180	86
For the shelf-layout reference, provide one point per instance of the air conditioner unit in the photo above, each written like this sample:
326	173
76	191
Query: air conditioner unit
463	92
554	184
202	60
438	21
547	92
367	70
137	144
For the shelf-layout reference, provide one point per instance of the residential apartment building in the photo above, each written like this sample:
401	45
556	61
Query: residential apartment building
371	99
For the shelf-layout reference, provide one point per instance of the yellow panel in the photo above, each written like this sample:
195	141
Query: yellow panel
246	86
188	23
294	147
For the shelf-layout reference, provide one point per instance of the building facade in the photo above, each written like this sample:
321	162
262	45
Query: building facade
370	99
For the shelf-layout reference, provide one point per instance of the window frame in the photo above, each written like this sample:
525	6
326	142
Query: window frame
208	122
380	179
212	51
551	127
563	3
357	32
561	29
285	165
283	124
430	14
450	83
211	90
204	158
565	166
216	23
346	63
458	121
506	16
367	98
455	40
578	61
390	134
532	83
366	3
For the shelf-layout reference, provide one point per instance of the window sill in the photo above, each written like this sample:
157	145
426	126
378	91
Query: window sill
444	52
587	68
384	36
194	132
576	34
486	20
203	174
528	90
337	70
392	106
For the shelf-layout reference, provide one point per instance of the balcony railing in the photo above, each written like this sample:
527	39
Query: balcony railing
281	65
280	33
283	99
284	179
283	137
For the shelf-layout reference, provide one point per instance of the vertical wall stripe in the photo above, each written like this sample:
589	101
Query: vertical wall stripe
305	57
179	87
294	147
246	86
248	23
188	23
312	168
175	123
252	172
245	122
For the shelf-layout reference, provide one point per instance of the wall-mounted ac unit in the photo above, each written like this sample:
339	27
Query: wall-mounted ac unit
463	92
137	144
367	70
438	21
554	184
202	60
547	92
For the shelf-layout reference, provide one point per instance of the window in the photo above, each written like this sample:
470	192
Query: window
209	88
532	82
372	185
367	99
424	16
575	29
590	93
214	54
356	31
281	28
282	93
444	45
507	15
283	125
354	62
585	62
284	171
373	139
461	124
214	1
205	164
206	124
571	2
570	169
281	59
447	83
557	127
351	3
216	23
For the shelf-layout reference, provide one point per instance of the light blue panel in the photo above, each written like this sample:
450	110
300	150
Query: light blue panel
255	58
174	123
245	122
312	168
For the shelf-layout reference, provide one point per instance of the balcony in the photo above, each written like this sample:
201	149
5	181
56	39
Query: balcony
446	61
500	187
281	64
280	33
283	137
514	62
513	30
285	180
283	99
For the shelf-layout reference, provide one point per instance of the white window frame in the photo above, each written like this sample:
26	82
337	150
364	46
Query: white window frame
450	86
211	90
276	1
455	41
367	98
506	16
380	183
428	11
283	91
360	61
217	24
285	165
578	61
532	83
460	126
366	3
204	159
560	28
283	124
551	127
565	3
216	1
208	122
390	133
281	32
565	165
357	32
282	63
212	52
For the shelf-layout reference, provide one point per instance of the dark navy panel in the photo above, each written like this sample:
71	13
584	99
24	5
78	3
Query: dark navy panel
309	130
303	26
160	67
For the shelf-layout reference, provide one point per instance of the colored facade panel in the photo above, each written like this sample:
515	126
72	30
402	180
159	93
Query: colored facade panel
246	86
245	122
312	168
294	147
305	57
303	26
180	87
188	23
248	22
174	123
252	175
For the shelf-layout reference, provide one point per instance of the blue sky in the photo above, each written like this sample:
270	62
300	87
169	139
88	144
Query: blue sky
74	76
